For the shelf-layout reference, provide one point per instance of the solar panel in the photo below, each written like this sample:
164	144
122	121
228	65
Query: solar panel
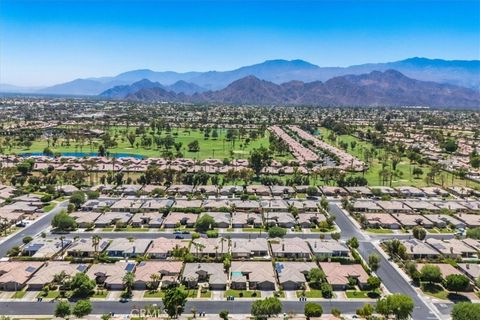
130	267
81	267
30	269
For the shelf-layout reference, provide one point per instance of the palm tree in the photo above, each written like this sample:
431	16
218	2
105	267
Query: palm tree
128	281
155	277
96	241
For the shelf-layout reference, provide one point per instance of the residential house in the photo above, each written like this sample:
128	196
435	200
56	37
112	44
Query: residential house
339	275
290	248
222	219
84	247
46	274
162	248
124	248
167	272
211	273
113	218
45	248
293	275
246	219
249	248
323	249
15	274
252	275
110	275
419	250
381	220
175	219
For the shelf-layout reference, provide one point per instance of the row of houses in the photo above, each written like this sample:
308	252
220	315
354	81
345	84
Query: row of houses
245	275
143	204
19	208
164	248
416	205
428	221
434	248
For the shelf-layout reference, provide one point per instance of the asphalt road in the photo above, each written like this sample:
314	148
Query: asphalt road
32	229
391	278
209	307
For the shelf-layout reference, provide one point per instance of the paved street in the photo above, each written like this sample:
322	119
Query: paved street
36	227
392	280
234	307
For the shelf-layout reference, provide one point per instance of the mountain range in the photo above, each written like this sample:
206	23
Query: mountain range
377	88
457	72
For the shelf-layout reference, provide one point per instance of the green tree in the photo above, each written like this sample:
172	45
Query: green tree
27	239
450	146
62	310
128	281
276	232
374	261
77	198
419	232
466	311
266	308
81	285
82	308
373	282
312	309
326	289
316	277
366	311
473	233
204	223
431	273
63	222
399	305
224	313
336	236
174	301
194	146
457	282
353	243
259	159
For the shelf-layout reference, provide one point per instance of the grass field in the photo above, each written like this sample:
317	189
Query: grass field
218	148
405	177
242	293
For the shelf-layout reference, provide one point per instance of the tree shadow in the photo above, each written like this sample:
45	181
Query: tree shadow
456	297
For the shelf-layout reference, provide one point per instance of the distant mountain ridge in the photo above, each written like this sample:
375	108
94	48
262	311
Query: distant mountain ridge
388	88
458	72
121	92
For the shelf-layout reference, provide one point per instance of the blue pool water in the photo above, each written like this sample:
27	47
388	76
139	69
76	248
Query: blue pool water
236	273
85	154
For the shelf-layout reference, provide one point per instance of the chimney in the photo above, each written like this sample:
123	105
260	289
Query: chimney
315	245
283	246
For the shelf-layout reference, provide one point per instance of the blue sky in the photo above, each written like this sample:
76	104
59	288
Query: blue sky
46	42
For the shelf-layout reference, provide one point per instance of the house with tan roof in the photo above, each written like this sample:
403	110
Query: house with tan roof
310	219
249	248
252	275
231	190
361	191
419	250
381	220
259	190
290	248
113	218
421	206
472	270
452	248
168	273
339	275
412	220
470	220
293	275
85	219
454	206
181	204
125	248
445	220
222	219
162	248
84	247
15	274
332	191
282	219
127	205
366	206
45	248
393	206
445	268
284	191
182	189
110	275
304	205
175	219
246	205
155	205
210	247
323	249
216	204
211	273
246	219
46	274
274	205
151	219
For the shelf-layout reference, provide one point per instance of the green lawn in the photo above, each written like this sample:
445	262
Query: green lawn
100	294
19	294
242	293
434	290
108	229
379	231
252	229
218	148
206	294
50	295
405	177
133	229
154	294
312	293
361	294
49	207
191	293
